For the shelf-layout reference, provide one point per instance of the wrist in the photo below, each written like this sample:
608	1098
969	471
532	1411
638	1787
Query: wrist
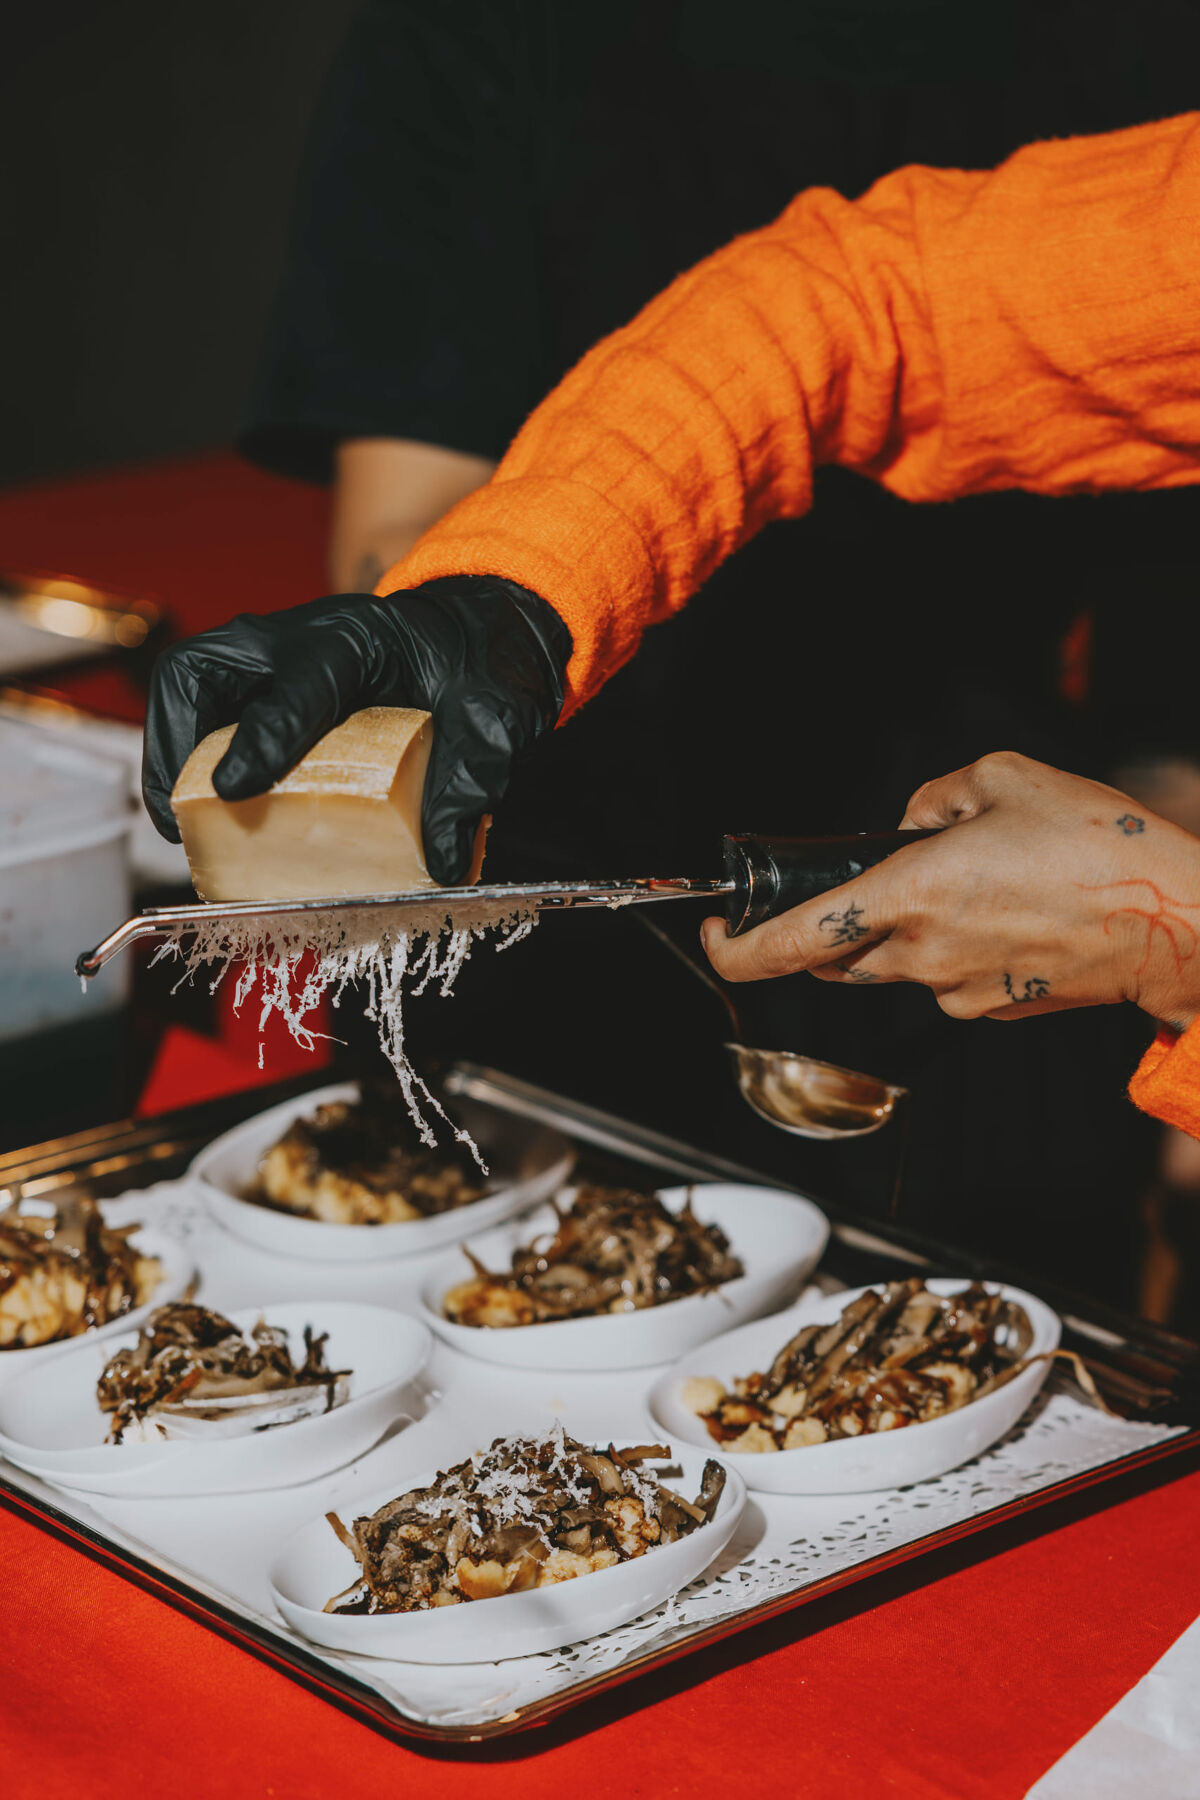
546	623
1172	996
1151	919
552	637
505	634
1176	1020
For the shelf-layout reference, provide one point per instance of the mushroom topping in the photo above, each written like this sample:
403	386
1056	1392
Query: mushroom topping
613	1251
63	1271
362	1163
893	1358
528	1512
195	1374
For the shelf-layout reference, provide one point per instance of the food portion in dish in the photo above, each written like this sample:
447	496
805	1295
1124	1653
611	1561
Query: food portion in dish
195	1374
895	1357
528	1512
362	1163
63	1271
614	1250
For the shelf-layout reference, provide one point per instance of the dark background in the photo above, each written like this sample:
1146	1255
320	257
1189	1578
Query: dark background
150	151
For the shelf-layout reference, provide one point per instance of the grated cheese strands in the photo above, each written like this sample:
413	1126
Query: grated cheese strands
295	960
516	1496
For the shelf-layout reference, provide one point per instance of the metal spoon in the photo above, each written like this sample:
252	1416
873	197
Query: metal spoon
800	1094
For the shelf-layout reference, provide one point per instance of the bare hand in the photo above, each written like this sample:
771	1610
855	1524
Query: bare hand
1045	891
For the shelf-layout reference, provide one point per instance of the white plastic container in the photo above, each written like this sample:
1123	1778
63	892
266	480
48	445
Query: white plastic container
64	877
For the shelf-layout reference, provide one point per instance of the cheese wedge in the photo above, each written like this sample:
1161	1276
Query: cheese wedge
346	820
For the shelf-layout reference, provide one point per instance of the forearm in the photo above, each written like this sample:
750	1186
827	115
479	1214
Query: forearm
948	334
358	557
387	493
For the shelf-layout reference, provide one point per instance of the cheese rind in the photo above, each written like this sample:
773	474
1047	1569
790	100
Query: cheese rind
345	821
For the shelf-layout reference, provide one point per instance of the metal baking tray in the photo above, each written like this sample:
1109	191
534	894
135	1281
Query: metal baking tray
1148	1375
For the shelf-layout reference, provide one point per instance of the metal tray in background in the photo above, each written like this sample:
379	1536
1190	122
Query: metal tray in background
49	623
1145	1373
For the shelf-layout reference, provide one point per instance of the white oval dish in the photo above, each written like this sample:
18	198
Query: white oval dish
178	1271
779	1236
314	1565
51	1425
527	1163
881	1459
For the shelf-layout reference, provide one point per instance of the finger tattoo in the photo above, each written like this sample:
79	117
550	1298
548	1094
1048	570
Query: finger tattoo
1130	824
847	927
1036	988
853	974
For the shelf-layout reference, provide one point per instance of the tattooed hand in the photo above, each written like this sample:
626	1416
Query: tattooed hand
845	927
1044	891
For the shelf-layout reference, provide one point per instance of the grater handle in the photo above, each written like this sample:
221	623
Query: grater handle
772	874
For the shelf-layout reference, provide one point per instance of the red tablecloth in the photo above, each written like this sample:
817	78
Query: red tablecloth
966	1687
961	1677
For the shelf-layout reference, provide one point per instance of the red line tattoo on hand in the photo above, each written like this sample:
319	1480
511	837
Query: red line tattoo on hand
1180	934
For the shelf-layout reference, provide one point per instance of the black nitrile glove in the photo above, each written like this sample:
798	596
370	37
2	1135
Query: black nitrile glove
487	658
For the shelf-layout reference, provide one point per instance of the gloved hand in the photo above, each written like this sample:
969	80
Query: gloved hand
487	658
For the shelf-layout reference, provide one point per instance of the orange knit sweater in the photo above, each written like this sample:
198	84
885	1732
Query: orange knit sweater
950	333
947	334
1167	1081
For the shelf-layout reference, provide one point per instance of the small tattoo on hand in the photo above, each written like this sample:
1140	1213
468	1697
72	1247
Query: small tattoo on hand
1036	988
1130	824
1163	921
853	974
368	574
848	927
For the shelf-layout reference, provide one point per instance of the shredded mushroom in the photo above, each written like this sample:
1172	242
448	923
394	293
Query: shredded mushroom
894	1357
613	1250
363	1163
192	1370
528	1512
63	1271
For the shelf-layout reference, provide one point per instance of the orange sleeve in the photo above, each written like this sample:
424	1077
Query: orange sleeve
1166	1083
947	334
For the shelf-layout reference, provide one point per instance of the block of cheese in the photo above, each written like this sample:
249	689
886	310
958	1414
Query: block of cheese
346	820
